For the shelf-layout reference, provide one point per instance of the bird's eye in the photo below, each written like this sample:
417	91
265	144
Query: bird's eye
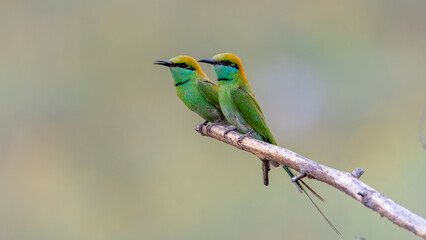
190	68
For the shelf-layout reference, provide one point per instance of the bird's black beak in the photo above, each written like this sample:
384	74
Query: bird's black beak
164	63
208	60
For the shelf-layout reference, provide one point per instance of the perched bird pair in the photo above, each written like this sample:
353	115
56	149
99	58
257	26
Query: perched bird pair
231	100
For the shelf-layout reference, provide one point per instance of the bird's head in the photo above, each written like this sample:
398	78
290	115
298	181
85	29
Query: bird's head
227	66
182	67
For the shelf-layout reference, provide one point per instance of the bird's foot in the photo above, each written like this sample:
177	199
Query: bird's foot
200	126
240	139
229	129
209	127
265	170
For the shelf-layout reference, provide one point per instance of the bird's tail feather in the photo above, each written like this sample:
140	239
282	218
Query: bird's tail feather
312	191
302	189
322	214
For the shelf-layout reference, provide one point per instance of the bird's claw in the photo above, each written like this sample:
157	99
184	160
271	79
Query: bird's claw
240	139
200	126
209	127
230	129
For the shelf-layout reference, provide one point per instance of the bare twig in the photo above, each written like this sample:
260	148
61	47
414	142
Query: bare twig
357	172
344	181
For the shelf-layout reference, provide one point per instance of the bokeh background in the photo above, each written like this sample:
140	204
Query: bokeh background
94	143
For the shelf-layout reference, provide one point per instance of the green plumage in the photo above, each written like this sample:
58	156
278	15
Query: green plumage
194	88
201	97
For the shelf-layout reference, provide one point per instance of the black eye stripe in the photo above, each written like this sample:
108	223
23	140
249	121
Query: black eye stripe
228	63
183	65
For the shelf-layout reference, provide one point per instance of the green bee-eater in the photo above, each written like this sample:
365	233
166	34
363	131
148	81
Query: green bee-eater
241	109
194	88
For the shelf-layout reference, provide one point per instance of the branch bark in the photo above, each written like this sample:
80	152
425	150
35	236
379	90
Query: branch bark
344	181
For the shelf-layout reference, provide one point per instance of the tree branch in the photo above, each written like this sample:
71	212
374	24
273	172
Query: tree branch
344	181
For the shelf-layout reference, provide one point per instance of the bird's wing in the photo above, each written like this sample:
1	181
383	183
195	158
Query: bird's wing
209	91
252	113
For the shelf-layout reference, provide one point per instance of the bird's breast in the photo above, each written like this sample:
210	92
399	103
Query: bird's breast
231	112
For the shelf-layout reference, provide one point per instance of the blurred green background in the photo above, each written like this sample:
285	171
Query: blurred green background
94	143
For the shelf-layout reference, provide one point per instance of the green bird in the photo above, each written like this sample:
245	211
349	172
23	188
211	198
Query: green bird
241	109
194	88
